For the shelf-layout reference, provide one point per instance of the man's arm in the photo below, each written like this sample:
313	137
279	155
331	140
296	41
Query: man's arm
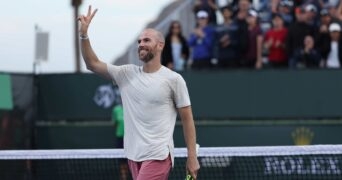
189	130
92	61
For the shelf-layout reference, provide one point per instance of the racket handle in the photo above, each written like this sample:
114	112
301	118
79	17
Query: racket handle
189	177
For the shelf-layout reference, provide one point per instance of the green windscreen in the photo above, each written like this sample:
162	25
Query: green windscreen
6	102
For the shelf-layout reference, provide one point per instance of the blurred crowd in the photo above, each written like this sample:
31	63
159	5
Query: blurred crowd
258	34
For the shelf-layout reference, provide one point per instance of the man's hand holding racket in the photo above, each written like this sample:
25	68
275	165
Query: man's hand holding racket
192	166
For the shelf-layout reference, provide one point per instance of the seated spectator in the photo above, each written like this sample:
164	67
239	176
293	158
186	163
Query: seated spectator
307	56
275	43
253	56
285	10
332	48
201	42
176	50
209	6
229	40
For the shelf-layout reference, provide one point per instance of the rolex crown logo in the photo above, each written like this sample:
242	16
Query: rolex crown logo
302	136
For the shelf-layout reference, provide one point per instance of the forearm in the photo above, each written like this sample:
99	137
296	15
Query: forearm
259	47
88	54
189	134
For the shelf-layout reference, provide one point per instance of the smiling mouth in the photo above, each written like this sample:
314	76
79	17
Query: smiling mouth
143	51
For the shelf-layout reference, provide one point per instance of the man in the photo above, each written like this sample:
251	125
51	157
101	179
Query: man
151	96
298	31
201	42
229	40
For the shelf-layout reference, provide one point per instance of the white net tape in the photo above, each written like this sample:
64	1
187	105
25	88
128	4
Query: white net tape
179	152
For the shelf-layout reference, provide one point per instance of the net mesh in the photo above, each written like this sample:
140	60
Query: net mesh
278	162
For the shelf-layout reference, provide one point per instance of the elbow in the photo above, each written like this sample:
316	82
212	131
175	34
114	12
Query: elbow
90	67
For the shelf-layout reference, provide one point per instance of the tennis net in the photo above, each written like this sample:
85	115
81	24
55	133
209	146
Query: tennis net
322	162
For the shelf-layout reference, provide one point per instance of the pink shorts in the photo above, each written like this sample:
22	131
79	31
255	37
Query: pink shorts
151	169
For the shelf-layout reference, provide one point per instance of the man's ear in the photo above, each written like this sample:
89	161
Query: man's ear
161	45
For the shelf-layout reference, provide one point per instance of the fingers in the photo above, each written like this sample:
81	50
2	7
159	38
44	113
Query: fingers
93	14
89	17
81	19
89	11
194	174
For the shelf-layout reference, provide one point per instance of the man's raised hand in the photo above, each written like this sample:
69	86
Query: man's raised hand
85	21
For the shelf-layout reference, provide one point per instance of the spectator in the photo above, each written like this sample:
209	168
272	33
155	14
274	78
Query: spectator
235	3
285	10
229	40
335	11
243	8
253	57
210	7
201	41
332	48
176	50
240	18
325	20
298	31
306	57
311	11
325	3
323	31
275	43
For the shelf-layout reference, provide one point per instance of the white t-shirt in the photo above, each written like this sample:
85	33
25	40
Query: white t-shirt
150	102
333	59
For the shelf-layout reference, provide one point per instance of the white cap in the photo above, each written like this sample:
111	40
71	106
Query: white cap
334	27
202	14
253	13
311	7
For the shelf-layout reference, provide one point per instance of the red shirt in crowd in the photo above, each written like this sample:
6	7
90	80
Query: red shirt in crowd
277	51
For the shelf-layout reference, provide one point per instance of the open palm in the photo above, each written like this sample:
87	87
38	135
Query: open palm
86	20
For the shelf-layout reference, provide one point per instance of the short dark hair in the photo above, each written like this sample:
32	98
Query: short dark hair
227	7
275	15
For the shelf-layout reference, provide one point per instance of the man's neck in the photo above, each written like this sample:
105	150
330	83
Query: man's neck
152	66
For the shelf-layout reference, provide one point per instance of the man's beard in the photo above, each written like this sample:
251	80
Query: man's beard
148	56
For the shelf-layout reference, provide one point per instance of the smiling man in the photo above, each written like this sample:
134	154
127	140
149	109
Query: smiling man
152	95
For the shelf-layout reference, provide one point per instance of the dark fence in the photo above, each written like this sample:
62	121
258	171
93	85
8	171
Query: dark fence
268	94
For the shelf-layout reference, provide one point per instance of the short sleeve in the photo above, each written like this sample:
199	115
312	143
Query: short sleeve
118	73
181	94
